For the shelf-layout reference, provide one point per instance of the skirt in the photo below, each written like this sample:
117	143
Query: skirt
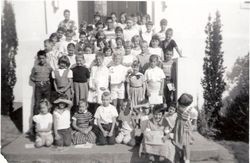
136	94
80	138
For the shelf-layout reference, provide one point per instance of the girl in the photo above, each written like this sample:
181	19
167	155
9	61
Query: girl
119	46
82	125
114	18
171	116
71	54
63	78
83	41
154	47
156	142
43	123
136	85
53	37
61	117
107	56
101	44
89	56
183	127
98	82
122	22
126	134
136	50
154	77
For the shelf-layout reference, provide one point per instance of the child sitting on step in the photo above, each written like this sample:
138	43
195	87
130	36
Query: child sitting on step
126	124
61	118
43	124
105	116
82	125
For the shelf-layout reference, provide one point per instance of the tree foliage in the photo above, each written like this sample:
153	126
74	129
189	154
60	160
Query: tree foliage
213	70
9	45
235	124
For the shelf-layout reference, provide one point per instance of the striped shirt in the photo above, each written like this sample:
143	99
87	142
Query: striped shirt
83	120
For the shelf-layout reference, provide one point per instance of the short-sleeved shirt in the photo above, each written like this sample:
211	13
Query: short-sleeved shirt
43	120
41	73
83	120
105	114
154	76
110	34
128	59
147	36
136	80
62	119
117	74
168	47
157	51
70	74
80	74
72	59
129	33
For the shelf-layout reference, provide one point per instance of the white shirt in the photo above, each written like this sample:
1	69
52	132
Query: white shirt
43	120
52	58
105	114
62	46
89	58
154	76
109	34
62	119
147	36
117	74
158	51
128	59
72	59
99	77
107	60
129	33
136	52
162	35
70	74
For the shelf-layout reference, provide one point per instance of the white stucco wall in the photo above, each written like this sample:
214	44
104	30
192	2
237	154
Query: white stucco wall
31	31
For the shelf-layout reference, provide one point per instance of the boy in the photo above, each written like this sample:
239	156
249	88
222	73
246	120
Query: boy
147	35
40	75
52	55
110	31
83	41
71	54
80	79
154	77
106	118
161	33
129	31
62	46
118	74
143	57
169	69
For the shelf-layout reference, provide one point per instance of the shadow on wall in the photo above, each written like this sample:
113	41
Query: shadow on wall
17	118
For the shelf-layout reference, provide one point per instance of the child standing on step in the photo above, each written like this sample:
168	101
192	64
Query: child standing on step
80	79
82	125
43	123
61	118
105	116
154	77
63	78
182	130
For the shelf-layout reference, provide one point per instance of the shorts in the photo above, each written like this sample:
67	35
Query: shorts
117	91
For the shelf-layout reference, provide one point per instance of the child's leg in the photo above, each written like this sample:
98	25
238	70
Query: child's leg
77	92
128	139
38	96
49	140
39	141
101	139
84	91
59	142
119	138
110	139
67	137
114	101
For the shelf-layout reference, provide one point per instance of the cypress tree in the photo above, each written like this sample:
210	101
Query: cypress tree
213	70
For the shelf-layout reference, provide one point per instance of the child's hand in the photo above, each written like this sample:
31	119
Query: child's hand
110	134
57	137
105	133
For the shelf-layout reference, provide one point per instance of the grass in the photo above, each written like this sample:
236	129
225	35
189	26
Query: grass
240	150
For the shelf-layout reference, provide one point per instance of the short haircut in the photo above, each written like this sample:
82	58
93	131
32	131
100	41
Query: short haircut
99	23
119	38
46	102
163	22
105	94
65	60
41	53
61	29
52	35
71	45
169	30
113	13
67	10
90	27
185	99
109	18
82	33
47	41
149	23
97	14
135	37
153	56
144	42
80	56
83	101
158	109
118	29
135	63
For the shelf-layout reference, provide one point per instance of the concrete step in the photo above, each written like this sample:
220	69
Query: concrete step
202	150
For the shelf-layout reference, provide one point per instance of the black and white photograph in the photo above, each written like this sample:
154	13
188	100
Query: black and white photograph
158	81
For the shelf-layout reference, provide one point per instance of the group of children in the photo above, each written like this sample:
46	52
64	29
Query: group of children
112	86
